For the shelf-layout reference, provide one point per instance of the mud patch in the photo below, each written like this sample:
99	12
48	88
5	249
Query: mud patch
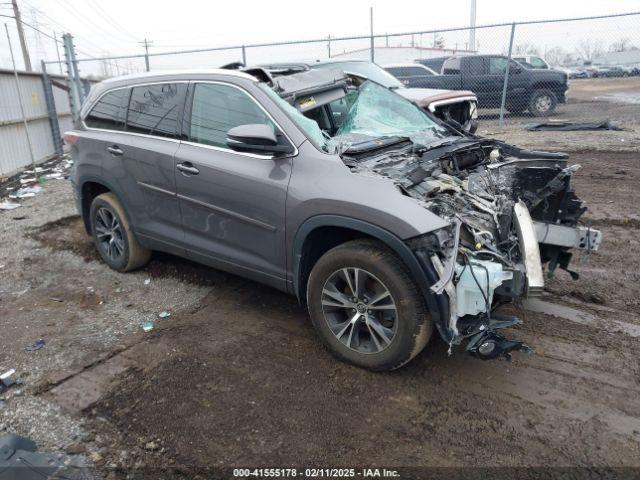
69	234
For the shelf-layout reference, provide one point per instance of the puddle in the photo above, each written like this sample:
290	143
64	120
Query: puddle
620	97
580	316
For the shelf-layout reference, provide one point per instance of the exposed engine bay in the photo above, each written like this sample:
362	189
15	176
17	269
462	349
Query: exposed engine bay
502	203
510	211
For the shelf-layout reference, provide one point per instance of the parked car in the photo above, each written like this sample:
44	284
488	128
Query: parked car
386	227
532	61
455	106
579	73
538	91
410	74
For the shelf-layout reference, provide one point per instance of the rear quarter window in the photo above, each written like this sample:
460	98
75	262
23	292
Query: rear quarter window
154	109
110	111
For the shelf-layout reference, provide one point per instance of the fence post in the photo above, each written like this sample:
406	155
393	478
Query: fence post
50	101
506	76
371	22
22	112
244	56
76	93
329	45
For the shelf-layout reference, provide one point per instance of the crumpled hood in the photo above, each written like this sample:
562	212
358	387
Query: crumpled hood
423	97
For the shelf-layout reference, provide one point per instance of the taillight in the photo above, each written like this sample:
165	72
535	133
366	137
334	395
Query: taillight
70	138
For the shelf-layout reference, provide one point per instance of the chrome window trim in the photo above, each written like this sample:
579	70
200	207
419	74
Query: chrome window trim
195	144
133	85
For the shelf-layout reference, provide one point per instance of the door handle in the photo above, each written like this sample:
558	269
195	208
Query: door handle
188	168
115	150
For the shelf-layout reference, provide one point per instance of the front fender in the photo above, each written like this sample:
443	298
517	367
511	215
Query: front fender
423	273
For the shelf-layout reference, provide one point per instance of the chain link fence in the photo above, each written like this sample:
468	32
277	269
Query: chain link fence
520	70
566	69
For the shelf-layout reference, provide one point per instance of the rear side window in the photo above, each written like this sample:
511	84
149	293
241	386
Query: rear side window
154	109
218	108
109	113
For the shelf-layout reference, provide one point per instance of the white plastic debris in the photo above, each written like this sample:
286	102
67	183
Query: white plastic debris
164	314
9	206
26	192
147	281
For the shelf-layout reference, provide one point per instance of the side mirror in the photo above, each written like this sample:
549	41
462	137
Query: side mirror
515	69
256	138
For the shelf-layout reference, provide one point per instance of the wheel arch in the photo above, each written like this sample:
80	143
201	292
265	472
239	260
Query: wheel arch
334	230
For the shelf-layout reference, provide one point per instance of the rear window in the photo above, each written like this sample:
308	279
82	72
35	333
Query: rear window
451	66
109	112
153	109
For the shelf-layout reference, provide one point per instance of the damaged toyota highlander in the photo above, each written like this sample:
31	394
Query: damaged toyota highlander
385	221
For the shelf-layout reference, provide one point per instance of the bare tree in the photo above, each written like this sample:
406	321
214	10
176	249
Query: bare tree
525	48
438	41
590	49
556	56
622	45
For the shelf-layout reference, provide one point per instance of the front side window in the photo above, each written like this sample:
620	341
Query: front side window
154	109
218	108
109	112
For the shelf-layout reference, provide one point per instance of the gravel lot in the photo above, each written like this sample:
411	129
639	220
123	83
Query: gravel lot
236	377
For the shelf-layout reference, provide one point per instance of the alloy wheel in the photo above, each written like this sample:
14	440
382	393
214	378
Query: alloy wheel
543	103
360	310
109	234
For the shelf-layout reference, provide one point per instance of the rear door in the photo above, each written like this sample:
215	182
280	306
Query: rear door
146	154
232	203
476	79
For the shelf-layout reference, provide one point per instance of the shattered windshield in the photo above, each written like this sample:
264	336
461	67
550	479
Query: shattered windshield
369	113
308	126
378	112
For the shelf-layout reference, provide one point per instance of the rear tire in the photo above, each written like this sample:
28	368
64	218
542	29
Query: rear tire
542	102
113	236
378	331
516	109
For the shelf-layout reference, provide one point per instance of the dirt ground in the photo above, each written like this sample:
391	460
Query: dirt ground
235	376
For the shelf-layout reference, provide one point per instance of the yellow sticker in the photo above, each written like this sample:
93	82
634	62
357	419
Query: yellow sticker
34	98
307	102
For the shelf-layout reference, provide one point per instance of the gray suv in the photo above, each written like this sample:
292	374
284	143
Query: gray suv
383	220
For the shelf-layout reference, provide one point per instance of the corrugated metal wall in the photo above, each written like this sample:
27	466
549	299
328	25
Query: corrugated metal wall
14	149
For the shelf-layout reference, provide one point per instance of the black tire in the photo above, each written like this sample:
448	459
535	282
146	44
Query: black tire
516	108
412	325
119	249
542	102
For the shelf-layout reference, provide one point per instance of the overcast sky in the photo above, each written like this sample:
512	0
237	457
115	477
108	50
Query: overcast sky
115	27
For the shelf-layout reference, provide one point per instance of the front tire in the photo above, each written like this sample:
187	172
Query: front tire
365	306
113	235
542	102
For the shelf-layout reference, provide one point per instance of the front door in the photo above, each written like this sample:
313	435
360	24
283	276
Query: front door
232	203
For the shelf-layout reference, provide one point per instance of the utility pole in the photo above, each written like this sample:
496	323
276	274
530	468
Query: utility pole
23	43
24	115
55	39
146	44
371	23
472	29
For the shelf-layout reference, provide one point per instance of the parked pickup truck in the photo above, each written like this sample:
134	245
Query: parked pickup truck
538	91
